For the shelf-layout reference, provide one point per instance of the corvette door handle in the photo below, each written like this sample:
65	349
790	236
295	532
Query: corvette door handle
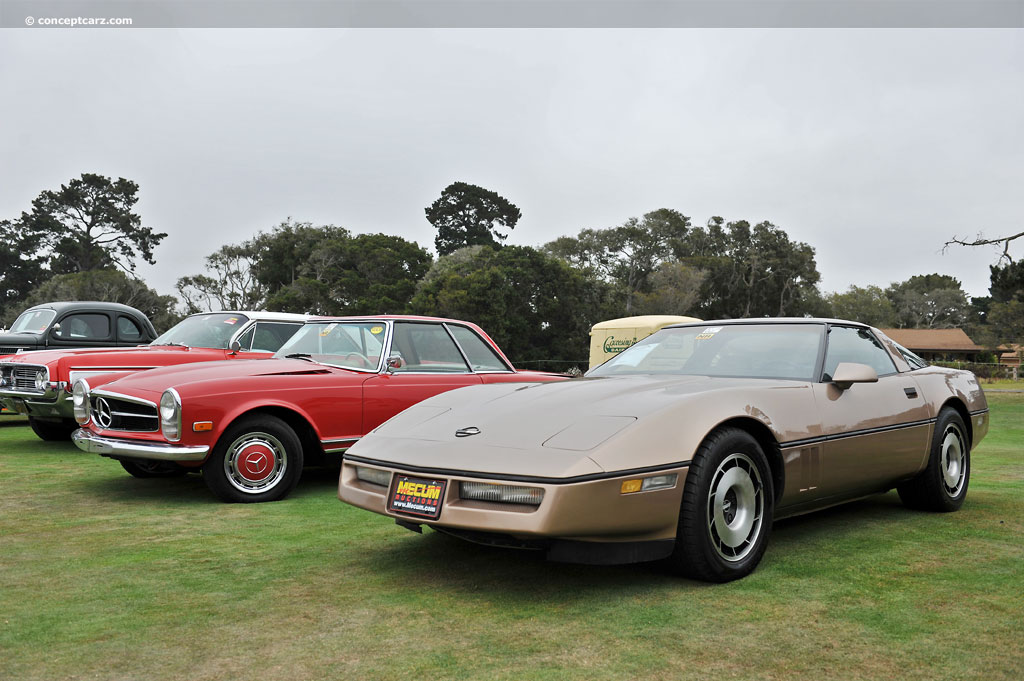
911	392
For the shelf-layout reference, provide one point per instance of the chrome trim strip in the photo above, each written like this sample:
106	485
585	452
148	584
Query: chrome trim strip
976	412
127	398
135	416
112	369
88	441
334	446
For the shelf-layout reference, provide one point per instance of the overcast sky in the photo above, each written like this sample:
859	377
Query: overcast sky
873	146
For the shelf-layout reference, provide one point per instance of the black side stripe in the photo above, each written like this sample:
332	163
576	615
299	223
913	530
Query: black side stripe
448	472
978	412
853	433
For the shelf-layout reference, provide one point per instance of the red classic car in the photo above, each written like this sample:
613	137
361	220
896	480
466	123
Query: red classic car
39	383
250	426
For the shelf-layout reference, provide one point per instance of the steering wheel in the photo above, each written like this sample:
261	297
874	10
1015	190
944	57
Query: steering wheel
363	360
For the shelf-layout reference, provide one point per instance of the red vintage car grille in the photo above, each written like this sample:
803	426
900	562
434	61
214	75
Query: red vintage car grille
115	414
21	377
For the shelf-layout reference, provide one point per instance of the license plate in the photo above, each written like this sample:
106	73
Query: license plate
420	497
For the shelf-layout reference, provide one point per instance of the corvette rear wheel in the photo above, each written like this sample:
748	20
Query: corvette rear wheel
942	485
726	513
259	458
53	431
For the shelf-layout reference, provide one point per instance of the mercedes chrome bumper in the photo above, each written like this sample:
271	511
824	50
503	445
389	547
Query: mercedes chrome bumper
88	441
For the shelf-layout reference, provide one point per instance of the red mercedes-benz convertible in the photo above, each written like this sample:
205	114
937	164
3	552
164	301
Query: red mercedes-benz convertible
250	425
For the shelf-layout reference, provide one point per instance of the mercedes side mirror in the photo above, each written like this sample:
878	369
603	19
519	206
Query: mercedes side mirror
235	347
848	373
394	363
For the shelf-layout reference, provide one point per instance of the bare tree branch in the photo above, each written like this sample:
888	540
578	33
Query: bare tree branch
980	240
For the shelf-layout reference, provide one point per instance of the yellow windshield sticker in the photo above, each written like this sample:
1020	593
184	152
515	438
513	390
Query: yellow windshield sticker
708	332
231	320
327	330
376	330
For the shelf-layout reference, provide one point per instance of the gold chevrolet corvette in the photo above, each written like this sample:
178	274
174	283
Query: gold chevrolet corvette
684	447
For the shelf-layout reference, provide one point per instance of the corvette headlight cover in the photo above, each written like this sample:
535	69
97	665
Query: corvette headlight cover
506	494
374	476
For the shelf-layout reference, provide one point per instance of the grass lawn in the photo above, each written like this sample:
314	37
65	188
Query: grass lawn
1002	384
108	577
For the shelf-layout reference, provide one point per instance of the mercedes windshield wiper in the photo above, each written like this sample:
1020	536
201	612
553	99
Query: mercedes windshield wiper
302	355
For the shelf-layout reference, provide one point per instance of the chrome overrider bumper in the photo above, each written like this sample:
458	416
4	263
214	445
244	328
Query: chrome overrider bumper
88	441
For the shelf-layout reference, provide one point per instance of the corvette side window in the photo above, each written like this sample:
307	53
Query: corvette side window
427	347
847	344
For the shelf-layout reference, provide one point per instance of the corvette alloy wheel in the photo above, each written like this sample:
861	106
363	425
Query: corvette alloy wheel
952	462
735	507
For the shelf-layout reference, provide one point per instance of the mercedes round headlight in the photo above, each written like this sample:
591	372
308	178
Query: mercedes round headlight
170	415
42	378
80	401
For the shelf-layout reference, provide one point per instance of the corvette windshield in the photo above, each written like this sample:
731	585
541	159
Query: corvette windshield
788	351
32	321
204	331
348	345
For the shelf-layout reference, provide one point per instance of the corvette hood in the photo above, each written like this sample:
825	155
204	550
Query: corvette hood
517	415
563	428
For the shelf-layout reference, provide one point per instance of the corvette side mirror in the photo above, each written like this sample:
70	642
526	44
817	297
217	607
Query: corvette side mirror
394	362
848	373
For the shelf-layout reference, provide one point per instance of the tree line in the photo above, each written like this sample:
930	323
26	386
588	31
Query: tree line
538	302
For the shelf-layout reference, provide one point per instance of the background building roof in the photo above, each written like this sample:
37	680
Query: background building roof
938	340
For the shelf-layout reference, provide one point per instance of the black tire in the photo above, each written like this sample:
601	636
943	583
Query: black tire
53	431
153	469
726	514
942	485
259	458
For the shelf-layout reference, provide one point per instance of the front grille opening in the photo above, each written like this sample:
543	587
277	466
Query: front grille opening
111	413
